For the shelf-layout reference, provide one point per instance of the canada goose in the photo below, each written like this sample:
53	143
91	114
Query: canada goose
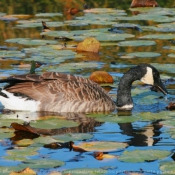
58	92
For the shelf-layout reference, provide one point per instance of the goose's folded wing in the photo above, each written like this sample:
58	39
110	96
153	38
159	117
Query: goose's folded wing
51	85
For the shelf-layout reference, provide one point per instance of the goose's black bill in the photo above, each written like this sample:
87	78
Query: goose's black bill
160	86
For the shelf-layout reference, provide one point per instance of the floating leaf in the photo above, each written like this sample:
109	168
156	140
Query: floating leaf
38	24
23	142
143	155
89	45
11	54
6	133
42	140
48	14
21	153
27	41
41	163
6	170
144	54
101	77
101	146
7	122
73	137
104	10
167	167
158	36
136	43
70	67
53	123
83	171
26	171
168	68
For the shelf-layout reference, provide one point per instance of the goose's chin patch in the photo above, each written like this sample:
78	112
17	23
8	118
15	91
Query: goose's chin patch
125	107
148	77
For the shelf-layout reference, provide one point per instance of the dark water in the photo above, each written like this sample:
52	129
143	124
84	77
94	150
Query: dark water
139	133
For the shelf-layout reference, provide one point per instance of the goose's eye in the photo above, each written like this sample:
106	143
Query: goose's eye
155	74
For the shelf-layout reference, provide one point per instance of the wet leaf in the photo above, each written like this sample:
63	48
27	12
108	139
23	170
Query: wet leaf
26	171
27	41
167	167
11	54
103	10
23	142
101	77
136	43
83	171
89	45
7	122
41	163
168	68
171	106
158	36
6	170
143	155
42	140
70	67
6	133
144	54
21	153
37	23
72	137
101	146
48	14
53	123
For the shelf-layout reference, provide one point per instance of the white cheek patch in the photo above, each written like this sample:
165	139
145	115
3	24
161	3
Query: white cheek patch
148	78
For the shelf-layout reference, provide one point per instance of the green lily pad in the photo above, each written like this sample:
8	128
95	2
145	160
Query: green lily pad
167	167
143	155
7	122
21	153
38	24
102	146
148	116
100	35
168	68
172	55
6	170
114	118
170	123
73	137
83	171
136	43
171	132
42	140
144	54
11	54
6	133
48	14
27	41
41	163
158	36
71	67
53	123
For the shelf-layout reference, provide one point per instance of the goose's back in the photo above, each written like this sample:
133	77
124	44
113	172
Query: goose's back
59	92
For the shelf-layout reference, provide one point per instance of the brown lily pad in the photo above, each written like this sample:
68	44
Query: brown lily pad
101	77
144	3
90	44
26	171
171	106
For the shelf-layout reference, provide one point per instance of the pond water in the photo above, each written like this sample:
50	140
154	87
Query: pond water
142	141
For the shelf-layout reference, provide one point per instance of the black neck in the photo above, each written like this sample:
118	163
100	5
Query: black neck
124	88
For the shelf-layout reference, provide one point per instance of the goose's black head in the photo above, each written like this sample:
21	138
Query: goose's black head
151	76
